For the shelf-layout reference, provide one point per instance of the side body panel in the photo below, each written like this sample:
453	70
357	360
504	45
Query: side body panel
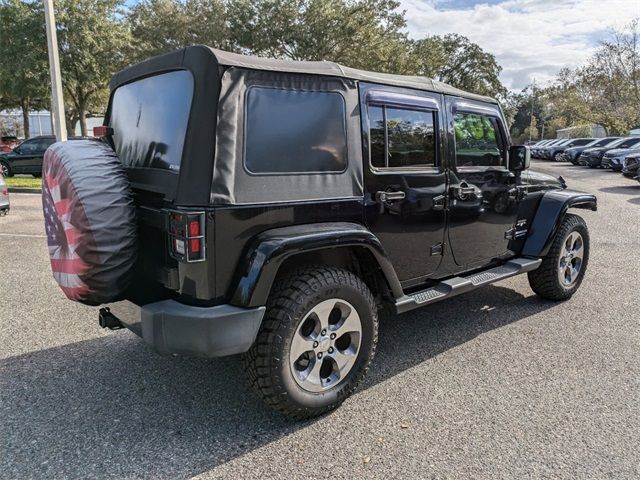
480	218
410	228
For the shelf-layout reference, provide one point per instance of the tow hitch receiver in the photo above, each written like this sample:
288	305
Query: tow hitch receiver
106	319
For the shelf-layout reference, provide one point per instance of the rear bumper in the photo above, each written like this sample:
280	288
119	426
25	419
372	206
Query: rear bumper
170	327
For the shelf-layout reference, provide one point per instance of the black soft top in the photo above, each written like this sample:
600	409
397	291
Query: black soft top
324	68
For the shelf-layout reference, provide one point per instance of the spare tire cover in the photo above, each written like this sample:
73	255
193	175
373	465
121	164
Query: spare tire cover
89	219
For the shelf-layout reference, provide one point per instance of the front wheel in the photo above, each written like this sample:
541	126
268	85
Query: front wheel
6	170
316	341
563	268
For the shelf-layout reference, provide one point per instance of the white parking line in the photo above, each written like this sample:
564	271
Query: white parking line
21	235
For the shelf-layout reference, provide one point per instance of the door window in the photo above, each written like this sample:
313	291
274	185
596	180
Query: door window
478	142
29	147
402	138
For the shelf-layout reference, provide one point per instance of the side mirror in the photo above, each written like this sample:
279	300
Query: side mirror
519	158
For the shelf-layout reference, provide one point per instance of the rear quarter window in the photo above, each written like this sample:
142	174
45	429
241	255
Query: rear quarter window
294	131
149	118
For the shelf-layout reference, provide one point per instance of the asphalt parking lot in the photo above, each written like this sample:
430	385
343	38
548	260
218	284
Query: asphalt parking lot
493	384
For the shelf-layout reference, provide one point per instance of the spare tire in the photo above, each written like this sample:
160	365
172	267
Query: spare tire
90	221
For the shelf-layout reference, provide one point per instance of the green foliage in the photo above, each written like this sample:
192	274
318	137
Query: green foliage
160	26
455	60
23	57
94	43
358	33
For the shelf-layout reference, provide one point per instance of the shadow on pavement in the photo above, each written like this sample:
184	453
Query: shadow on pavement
626	190
110	407
635	201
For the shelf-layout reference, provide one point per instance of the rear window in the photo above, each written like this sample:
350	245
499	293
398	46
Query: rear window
295	131
149	118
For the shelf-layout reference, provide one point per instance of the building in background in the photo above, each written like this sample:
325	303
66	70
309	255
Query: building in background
39	123
592	131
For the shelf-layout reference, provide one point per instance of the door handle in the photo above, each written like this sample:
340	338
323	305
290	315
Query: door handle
389	196
463	190
383	197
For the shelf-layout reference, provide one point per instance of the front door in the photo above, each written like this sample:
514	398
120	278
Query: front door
405	181
483	193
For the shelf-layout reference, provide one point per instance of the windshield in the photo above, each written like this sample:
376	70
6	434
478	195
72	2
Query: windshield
603	142
630	142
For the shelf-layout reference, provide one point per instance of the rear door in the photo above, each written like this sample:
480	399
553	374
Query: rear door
483	194
405	178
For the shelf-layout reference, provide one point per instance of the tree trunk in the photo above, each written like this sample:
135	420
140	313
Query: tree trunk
25	118
82	114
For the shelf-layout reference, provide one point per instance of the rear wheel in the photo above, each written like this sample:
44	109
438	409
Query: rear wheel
562	270
557	157
315	343
6	170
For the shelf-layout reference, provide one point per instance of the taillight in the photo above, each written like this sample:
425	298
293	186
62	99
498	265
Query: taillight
187	236
4	191
102	131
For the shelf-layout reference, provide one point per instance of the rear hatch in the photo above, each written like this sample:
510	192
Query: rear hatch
162	116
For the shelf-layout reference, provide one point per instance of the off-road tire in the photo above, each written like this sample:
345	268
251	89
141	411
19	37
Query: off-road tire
292	297
544	280
5	170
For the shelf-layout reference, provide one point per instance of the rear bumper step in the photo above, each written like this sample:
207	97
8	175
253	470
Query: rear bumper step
170	327
457	285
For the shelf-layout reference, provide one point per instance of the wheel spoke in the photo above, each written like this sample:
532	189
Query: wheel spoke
350	324
313	376
322	312
345	361
299	345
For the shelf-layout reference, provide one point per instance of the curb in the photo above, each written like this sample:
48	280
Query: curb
24	190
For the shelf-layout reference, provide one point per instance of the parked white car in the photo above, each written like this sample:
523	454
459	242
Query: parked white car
4	197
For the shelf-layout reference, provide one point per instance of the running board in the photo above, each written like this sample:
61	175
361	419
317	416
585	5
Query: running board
457	285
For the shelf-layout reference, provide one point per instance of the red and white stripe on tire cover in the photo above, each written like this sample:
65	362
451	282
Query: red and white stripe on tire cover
67	228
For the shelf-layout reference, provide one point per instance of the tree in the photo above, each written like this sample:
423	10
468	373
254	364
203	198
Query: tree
94	43
605	91
455	60
181	23
358	33
24	81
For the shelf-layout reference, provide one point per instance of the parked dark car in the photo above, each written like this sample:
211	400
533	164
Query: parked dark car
613	158
592	157
539	150
557	152
630	165
273	208
27	157
572	154
544	152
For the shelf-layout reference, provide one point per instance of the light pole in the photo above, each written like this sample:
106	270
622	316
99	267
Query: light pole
57	102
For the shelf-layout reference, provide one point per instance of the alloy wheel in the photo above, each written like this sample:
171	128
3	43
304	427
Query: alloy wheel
325	345
571	258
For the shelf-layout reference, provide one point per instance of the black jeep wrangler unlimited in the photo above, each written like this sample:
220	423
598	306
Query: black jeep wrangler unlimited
273	208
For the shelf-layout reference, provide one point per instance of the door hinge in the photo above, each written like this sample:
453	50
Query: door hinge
438	203
518	231
437	249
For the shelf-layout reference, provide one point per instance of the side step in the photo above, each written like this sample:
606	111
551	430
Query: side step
457	285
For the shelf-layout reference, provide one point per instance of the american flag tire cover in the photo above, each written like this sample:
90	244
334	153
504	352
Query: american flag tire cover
89	221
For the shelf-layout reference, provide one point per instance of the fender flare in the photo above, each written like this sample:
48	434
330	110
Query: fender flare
548	217
259	266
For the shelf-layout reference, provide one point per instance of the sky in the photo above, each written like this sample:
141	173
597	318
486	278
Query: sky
530	38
